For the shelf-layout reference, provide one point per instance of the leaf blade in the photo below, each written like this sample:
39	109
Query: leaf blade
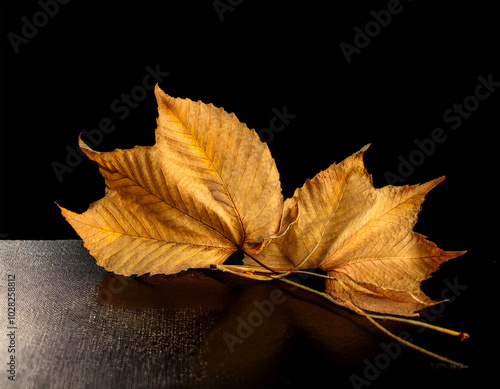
185	198
363	237
241	184
126	244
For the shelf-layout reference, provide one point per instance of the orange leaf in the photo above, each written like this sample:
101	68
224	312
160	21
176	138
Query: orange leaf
207	188
363	237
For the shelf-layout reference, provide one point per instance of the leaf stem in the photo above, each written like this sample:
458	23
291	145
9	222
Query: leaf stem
460	334
242	273
327	296
385	330
245	273
414	346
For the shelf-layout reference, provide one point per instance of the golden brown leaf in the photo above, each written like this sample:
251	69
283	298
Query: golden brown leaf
363	237
207	188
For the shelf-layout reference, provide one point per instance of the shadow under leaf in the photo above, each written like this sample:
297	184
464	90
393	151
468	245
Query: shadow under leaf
249	333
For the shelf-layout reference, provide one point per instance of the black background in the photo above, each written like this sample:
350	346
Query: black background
266	55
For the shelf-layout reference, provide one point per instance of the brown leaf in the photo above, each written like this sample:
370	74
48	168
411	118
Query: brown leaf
207	188
363	237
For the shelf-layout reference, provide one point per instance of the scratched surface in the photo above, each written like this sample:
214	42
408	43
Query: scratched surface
81	327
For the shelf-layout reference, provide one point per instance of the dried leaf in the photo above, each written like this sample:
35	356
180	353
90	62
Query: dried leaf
363	237
207	188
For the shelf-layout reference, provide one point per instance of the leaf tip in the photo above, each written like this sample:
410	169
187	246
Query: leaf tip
85	147
438	180
62	209
158	92
364	148
66	213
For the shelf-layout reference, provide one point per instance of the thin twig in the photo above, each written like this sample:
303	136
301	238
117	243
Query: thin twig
380	327
242	273
371	318
460	334
414	346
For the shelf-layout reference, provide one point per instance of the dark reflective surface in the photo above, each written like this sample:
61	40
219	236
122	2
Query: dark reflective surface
80	327
244	332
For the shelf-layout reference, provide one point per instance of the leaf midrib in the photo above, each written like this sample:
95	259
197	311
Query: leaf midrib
215	170
144	237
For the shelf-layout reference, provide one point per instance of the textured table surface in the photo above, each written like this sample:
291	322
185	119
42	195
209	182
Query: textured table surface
78	326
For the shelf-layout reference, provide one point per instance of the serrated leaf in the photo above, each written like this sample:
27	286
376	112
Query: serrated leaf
363	237
207	188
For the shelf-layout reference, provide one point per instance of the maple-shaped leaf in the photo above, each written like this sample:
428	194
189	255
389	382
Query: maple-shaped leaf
207	188
362	236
